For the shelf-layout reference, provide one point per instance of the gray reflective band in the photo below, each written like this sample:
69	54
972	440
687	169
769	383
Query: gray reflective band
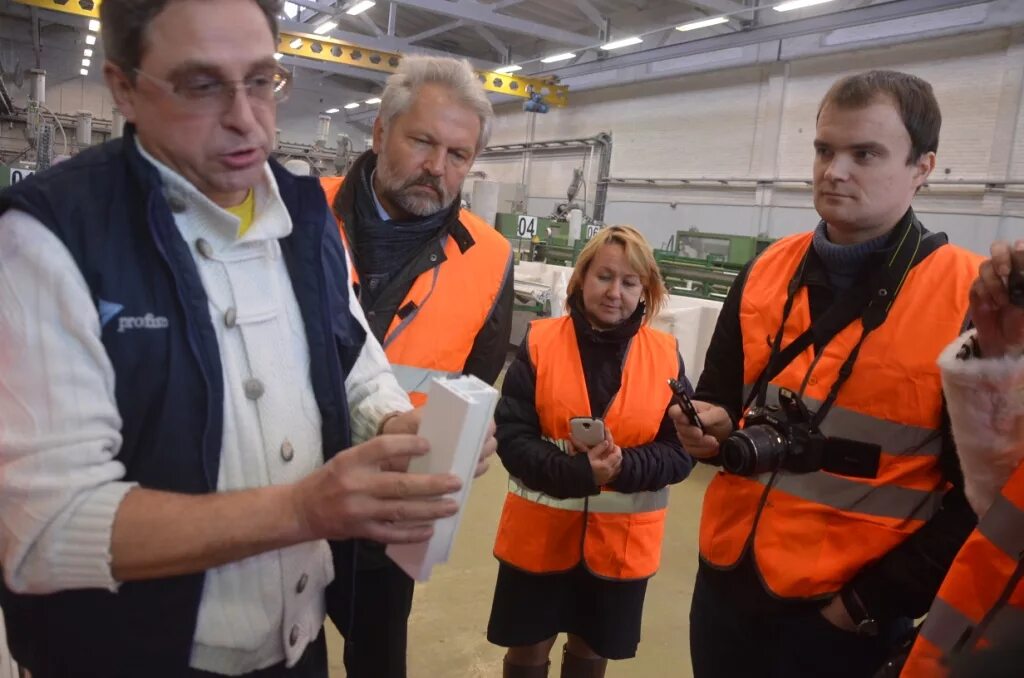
606	502
1005	625
892	437
1003	525
404	323
946	627
844	494
418	378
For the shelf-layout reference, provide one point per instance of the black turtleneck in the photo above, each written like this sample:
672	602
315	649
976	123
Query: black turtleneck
603	352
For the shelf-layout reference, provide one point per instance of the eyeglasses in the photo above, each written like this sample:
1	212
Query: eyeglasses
208	94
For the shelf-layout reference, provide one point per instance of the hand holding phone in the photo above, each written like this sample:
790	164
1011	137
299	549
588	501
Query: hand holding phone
587	430
683	400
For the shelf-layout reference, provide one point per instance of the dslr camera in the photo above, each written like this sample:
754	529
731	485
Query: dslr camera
784	437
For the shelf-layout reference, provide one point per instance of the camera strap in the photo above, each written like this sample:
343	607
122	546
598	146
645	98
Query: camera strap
869	300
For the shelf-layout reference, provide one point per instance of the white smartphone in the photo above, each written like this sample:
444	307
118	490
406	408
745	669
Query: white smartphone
587	430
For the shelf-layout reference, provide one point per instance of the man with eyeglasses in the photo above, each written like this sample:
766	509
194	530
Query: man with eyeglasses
183	382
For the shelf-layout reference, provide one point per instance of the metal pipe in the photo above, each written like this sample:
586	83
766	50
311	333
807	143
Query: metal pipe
604	140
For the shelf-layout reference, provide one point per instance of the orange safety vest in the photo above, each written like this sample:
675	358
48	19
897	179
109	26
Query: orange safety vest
450	302
616	535
817	530
981	601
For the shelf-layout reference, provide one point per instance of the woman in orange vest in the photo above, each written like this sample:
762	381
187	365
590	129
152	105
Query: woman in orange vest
582	525
981	602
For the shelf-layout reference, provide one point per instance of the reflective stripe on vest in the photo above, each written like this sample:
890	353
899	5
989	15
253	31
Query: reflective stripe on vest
947	627
816	531
848	494
615	535
1003	525
981	601
606	502
449	304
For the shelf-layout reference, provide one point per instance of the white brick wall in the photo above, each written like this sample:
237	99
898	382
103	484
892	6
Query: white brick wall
759	121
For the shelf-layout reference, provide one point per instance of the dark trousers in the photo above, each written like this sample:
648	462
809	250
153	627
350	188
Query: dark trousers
727	641
377	638
312	664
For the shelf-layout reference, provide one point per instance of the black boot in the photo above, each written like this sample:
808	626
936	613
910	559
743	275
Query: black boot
574	666
511	670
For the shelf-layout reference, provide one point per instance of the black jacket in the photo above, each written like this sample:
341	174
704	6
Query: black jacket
542	466
902	583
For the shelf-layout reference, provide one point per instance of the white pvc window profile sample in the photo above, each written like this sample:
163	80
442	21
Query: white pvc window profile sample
455	422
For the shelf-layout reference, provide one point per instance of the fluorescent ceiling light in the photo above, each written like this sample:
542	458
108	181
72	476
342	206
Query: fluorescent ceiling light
798	4
374	100
332	110
511	68
278	55
558	57
86	62
354	104
703	23
84	71
359	7
625	42
296	43
88	52
325	27
90	39
94	25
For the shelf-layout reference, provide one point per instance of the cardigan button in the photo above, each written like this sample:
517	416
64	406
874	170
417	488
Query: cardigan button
205	248
253	389
288	453
301	586
176	203
293	636
231	317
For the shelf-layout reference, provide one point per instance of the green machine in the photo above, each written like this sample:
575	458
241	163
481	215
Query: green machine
538	238
721	248
696	263
703	264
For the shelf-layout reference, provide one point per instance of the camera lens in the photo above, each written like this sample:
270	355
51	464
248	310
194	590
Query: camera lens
753	450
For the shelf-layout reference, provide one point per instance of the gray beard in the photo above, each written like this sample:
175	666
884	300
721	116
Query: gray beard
396	190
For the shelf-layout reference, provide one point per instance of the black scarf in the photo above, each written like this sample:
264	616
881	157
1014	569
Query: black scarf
383	247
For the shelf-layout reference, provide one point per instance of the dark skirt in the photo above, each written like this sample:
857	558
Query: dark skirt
529	608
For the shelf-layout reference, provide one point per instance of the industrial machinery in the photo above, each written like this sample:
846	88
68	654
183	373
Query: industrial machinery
701	265
705	264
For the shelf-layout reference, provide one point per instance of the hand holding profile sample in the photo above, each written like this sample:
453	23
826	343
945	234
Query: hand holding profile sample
366	493
409	423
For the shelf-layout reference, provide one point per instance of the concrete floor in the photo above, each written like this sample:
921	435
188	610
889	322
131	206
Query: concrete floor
449	615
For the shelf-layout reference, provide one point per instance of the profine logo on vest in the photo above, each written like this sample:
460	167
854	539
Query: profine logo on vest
144	322
108	310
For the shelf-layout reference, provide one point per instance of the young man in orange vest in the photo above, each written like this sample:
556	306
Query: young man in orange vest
435	282
981	603
833	527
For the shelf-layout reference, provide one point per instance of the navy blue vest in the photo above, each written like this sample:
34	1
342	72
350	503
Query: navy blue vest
107	206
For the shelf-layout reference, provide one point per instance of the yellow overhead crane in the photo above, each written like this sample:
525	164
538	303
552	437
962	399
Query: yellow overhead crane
329	50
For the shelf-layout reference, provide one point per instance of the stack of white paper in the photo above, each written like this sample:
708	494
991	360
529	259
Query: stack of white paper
455	421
